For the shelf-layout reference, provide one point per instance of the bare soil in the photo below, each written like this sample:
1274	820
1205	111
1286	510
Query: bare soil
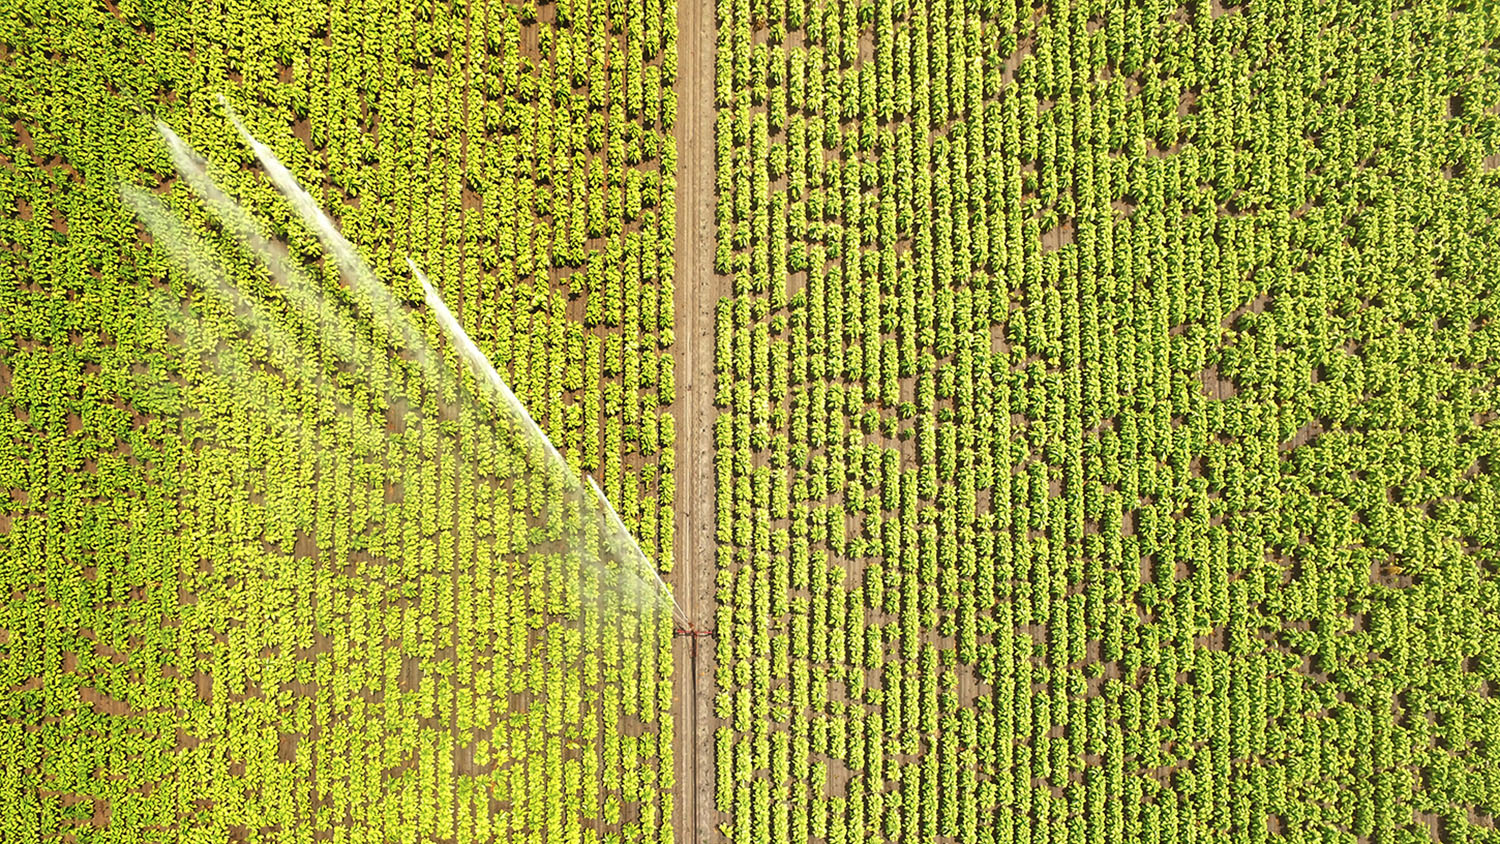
698	290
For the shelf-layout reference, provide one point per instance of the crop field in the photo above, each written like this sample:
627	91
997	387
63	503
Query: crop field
224	623
1059	422
1108	446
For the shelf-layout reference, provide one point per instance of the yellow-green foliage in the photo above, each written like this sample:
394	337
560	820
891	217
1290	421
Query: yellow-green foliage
232	614
1108	445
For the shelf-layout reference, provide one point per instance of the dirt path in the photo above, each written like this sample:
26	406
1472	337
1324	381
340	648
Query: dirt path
698	289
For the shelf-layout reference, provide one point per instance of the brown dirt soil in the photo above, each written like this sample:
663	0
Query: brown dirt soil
698	290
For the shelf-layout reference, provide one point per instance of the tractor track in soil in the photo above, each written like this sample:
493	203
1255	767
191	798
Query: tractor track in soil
698	289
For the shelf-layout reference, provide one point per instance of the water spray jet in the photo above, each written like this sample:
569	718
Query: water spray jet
580	533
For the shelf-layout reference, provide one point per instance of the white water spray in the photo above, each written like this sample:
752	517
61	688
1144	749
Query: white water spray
387	314
639	564
627	600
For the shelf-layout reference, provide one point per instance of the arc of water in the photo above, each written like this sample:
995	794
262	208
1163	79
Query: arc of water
320	316
386	310
485	371
387	314
193	256
635	558
640	558
309	303
383	307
